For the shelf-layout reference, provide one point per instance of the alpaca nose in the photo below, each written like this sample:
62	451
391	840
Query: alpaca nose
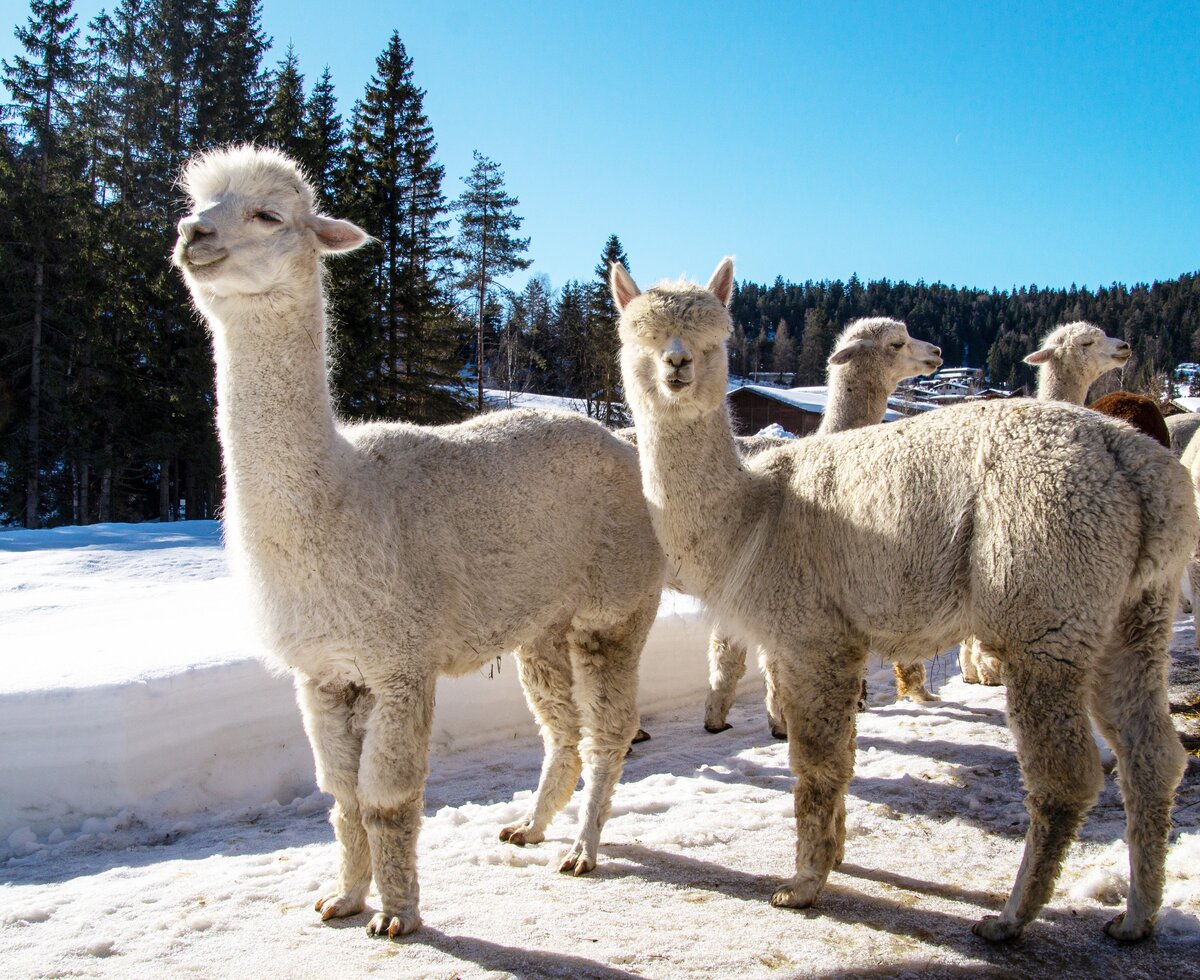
936	351
194	226
676	355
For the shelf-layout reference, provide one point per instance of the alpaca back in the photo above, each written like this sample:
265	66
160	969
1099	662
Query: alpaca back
910	530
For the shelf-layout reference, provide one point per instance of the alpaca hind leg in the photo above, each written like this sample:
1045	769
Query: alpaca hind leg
545	671
910	683
818	696
606	680
726	665
1060	767
391	782
333	718
1130	703
1193	571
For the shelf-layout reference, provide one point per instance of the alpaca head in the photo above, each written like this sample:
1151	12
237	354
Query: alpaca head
252	230
1080	351
881	347
673	341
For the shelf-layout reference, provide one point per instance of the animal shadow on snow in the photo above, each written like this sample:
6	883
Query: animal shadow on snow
1061	929
493	957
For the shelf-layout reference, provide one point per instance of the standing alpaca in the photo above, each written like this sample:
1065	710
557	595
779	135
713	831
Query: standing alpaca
870	357
1140	411
372	565
1052	534
1072	357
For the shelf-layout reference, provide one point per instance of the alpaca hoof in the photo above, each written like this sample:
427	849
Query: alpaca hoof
1117	929
641	736
989	680
970	680
717	729
521	834
793	896
922	696
577	862
996	930
339	905
393	924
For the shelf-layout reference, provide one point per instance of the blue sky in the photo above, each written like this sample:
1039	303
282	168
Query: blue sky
981	145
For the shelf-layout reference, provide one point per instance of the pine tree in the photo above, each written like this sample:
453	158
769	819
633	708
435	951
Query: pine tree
406	334
814	349
783	351
485	245
604	398
285	122
323	140
43	84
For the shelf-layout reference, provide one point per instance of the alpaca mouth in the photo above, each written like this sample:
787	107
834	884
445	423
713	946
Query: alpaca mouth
1123	355
677	384
202	257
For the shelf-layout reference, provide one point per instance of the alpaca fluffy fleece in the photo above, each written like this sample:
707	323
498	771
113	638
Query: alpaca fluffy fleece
1049	531
383	555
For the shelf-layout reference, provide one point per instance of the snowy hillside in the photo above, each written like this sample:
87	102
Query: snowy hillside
158	816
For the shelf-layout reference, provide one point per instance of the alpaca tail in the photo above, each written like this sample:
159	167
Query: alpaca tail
1170	528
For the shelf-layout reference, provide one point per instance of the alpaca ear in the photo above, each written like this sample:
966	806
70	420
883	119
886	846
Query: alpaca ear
336	235
1040	356
721	283
843	354
624	289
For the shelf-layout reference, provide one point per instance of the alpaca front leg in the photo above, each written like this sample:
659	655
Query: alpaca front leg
1060	767
606	682
545	672
775	717
395	762
726	665
966	660
333	718
818	695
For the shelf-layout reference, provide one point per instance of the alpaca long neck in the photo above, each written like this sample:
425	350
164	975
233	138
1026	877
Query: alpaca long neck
1058	385
700	495
274	411
854	400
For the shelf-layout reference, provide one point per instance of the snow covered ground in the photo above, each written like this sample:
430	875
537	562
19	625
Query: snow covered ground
156	834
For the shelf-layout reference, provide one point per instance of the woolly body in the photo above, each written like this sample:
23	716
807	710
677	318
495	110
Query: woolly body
1050	532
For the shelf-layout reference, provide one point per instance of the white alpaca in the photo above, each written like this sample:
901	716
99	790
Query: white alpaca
1049	531
870	357
1072	357
383	555
1182	427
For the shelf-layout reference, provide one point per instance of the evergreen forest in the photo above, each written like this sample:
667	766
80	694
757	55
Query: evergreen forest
106	378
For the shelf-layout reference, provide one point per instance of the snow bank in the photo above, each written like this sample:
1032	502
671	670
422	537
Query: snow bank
130	683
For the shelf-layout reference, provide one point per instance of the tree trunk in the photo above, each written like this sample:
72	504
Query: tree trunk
85	475
164	491
106	492
34	453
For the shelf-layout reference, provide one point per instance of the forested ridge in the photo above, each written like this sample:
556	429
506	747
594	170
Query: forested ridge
106	380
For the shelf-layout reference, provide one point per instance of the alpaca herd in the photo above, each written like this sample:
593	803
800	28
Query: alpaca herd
1052	534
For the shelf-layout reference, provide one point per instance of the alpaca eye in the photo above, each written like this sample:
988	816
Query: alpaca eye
268	217
897	345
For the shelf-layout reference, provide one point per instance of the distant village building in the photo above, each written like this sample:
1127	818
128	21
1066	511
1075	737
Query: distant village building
798	410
